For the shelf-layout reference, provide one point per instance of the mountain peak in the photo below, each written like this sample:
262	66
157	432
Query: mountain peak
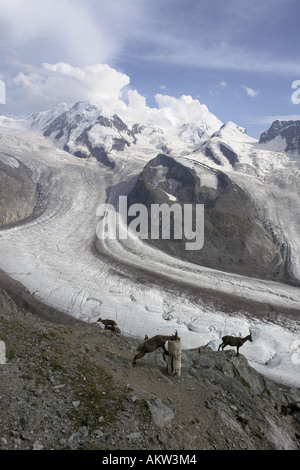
285	132
85	129
230	129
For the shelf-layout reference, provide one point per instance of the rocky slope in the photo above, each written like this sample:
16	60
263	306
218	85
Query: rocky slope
15	185
71	385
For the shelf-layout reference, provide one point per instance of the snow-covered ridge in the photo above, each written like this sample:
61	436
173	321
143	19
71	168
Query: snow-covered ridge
71	126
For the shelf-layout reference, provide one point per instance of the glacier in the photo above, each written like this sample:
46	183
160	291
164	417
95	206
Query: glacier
60	261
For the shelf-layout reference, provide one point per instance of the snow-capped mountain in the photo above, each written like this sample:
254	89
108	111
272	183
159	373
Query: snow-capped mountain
73	158
283	136
287	132
86	130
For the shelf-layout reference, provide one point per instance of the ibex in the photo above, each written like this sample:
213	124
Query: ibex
234	341
150	344
110	325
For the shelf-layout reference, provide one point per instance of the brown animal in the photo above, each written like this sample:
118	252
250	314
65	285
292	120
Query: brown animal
107	323
150	344
234	341
110	325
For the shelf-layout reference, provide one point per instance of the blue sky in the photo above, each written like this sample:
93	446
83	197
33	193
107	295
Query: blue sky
238	57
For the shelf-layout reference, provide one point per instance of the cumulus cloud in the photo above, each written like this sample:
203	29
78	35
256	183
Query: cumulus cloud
98	82
61	82
171	111
184	109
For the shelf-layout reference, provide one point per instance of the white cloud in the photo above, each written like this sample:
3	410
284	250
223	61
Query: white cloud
98	82
171	111
55	83
250	92
184	109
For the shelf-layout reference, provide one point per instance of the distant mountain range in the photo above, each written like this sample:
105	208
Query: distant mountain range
87	130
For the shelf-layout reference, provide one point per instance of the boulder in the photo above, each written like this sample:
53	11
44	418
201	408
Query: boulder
160	413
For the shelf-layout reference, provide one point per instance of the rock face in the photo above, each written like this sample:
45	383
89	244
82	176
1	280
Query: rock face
234	238
75	123
85	132
17	190
289	131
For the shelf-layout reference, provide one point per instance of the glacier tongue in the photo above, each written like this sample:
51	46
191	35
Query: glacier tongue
143	289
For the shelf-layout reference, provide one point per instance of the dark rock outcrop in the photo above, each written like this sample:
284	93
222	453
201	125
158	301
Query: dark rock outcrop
17	193
229	154
234	238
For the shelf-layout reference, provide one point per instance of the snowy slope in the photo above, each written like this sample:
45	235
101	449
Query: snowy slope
53	255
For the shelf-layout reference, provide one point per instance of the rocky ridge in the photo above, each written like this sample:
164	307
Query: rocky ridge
69	385
288	131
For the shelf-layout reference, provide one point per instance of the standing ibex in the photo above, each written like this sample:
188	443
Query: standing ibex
150	344
110	325
234	341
